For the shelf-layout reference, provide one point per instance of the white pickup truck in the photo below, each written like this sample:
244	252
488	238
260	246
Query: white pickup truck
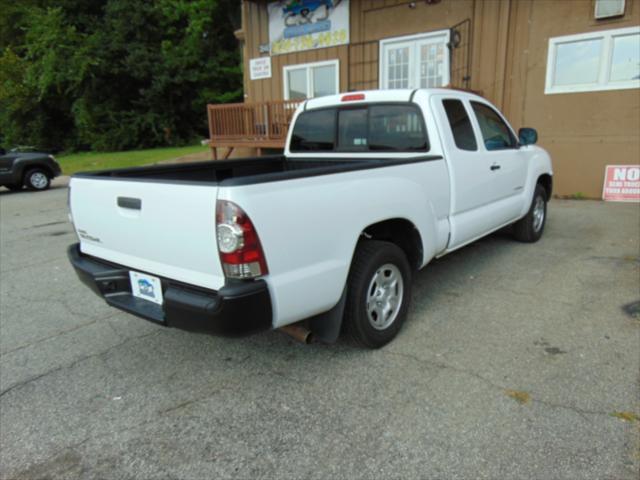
372	186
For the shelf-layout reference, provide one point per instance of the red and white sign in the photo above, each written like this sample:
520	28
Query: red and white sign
621	183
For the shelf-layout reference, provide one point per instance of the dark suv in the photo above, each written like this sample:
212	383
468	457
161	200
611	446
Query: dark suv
33	170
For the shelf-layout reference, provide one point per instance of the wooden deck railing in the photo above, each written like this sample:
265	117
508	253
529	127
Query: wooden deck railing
260	125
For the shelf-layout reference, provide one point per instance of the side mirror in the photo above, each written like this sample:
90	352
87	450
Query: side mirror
527	136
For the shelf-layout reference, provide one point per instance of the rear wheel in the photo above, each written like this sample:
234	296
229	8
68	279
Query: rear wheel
378	294
37	179
530	227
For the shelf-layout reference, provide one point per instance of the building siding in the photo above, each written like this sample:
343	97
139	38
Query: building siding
509	40
582	131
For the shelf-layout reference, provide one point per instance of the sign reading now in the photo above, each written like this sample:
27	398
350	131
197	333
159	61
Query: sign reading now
621	183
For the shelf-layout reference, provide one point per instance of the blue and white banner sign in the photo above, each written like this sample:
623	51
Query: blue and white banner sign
296	25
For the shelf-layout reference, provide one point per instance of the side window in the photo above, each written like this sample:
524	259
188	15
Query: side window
396	128
352	129
460	125
495	133
314	131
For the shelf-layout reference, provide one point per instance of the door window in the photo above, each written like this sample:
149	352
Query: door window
398	67
416	61
495	132
463	135
432	64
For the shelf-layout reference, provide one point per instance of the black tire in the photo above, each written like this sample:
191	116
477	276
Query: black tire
37	179
529	228
368	262
14	187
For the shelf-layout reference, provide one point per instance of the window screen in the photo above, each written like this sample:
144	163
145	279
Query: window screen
495	133
460	125
297	84
314	131
625	59
324	80
396	128
578	62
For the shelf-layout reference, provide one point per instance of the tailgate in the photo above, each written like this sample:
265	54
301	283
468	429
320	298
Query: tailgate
165	229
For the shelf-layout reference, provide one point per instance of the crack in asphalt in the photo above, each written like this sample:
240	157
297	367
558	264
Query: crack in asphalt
192	401
269	371
529	294
72	447
162	412
73	364
60	333
580	411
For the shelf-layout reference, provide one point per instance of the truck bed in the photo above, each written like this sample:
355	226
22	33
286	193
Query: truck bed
247	170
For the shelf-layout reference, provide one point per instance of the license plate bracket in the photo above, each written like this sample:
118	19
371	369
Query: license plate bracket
146	287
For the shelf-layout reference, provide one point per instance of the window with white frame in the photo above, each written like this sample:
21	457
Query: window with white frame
603	60
415	61
311	80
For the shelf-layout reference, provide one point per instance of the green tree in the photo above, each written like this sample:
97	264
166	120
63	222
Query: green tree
115	74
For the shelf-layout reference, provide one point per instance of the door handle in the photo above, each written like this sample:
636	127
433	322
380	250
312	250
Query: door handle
494	167
129	202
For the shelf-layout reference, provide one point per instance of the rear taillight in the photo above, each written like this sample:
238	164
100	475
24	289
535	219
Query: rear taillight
240	251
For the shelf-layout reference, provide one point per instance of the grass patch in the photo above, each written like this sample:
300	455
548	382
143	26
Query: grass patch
79	162
626	416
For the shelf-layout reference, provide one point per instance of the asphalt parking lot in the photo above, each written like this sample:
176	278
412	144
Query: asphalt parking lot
517	361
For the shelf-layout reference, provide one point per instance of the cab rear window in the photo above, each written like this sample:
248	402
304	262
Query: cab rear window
368	128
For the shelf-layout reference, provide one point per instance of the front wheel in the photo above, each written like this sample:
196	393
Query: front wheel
530	227
37	179
378	293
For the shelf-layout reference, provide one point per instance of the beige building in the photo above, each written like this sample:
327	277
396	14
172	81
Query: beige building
569	68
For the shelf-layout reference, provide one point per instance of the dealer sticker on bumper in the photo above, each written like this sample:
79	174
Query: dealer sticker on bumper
146	287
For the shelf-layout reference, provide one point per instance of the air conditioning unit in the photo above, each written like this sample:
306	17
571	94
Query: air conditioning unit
609	8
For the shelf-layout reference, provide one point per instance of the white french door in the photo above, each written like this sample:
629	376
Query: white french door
416	61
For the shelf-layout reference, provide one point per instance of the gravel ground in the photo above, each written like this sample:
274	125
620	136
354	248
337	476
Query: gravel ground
517	361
